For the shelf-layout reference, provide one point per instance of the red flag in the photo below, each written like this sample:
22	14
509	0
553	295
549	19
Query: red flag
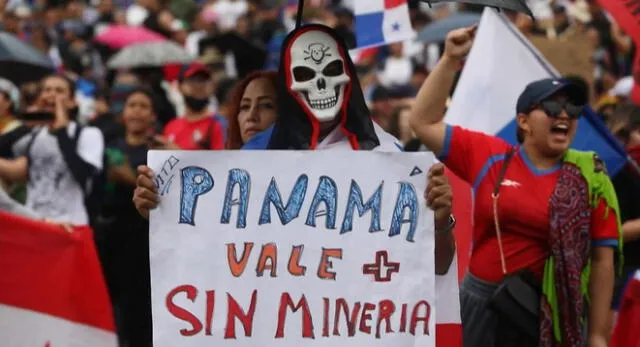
626	333
52	287
449	331
627	14
463	211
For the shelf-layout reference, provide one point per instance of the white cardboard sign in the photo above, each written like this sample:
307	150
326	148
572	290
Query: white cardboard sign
292	248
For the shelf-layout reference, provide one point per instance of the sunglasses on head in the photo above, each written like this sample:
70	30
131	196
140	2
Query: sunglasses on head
554	108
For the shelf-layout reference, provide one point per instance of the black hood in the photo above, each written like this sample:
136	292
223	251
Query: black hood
296	128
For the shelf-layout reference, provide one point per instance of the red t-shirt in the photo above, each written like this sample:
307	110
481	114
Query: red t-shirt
523	205
204	133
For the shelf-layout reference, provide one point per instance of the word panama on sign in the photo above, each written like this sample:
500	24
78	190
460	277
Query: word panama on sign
311	249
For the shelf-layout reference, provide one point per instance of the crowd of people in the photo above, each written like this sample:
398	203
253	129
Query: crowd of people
74	143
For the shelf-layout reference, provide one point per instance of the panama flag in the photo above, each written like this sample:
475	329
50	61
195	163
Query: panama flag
52	293
501	63
381	22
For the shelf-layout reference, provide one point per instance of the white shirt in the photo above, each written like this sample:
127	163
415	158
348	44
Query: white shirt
52	190
397	71
229	12
136	15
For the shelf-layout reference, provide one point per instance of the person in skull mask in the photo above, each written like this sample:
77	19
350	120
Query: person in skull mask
198	129
325	109
318	86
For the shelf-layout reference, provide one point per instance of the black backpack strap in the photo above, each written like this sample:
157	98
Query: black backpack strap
503	170
32	140
27	152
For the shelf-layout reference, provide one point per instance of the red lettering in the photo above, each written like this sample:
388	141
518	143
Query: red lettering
341	305
181	313
385	310
235	311
211	297
415	318
403	319
364	327
307	322
325	322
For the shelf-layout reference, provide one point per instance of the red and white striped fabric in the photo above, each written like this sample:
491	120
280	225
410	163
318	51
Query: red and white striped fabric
52	292
448	322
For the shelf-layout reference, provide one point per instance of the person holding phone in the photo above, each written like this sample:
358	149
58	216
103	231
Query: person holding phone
58	160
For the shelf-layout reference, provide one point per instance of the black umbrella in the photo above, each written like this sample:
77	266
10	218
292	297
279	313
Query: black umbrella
20	62
514	5
248	56
438	30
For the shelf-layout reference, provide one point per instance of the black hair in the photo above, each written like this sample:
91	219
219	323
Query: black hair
581	83
71	84
223	89
627	117
519	134
148	93
12	105
413	145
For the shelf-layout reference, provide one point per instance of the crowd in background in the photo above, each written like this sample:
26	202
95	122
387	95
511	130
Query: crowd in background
102	121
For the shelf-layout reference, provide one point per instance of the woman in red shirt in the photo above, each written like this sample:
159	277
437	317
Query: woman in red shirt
543	213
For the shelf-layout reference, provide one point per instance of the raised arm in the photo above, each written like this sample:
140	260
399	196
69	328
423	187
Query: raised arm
428	110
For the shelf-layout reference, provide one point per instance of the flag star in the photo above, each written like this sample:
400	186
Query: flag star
396	26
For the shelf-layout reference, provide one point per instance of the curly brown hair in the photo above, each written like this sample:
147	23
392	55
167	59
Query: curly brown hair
234	140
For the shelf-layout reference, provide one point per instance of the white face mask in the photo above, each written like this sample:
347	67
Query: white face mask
318	74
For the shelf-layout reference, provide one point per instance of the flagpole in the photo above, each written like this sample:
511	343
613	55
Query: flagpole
634	164
299	15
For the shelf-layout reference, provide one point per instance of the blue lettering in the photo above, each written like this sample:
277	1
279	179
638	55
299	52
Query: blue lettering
241	178
355	201
294	203
195	182
407	198
327	193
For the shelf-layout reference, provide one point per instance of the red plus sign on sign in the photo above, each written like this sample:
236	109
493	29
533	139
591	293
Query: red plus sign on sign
381	269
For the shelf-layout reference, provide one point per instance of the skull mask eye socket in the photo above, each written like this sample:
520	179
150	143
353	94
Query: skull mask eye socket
334	69
303	74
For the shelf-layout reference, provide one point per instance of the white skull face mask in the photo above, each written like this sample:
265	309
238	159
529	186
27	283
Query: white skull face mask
318	74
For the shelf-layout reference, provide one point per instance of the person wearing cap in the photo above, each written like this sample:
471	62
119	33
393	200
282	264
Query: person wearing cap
198	128
545	216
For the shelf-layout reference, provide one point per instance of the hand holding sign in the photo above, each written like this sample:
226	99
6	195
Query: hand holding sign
145	196
439	196
309	250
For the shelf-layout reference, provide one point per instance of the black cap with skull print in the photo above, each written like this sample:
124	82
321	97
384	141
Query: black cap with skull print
317	84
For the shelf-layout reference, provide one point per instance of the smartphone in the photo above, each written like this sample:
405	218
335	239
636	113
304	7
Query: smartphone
37	116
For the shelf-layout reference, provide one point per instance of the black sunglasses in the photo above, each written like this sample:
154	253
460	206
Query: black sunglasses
554	108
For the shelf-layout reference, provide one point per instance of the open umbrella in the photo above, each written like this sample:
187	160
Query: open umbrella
248	56
121	36
438	30
154	54
514	5
20	62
